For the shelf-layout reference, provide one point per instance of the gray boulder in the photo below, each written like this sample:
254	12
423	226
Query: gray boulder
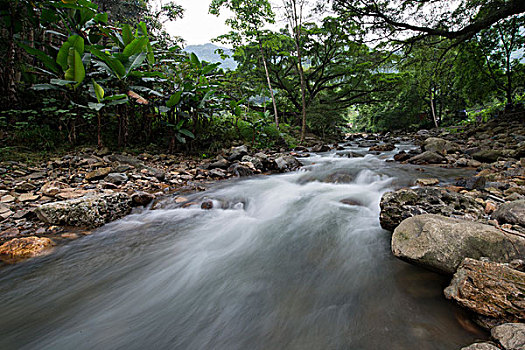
441	146
427	157
399	205
88	211
487	156
440	243
116	178
511	213
510	335
236	153
287	163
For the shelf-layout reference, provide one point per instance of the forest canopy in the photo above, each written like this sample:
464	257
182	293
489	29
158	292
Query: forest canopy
107	72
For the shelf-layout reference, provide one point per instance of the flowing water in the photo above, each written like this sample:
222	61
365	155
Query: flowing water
293	261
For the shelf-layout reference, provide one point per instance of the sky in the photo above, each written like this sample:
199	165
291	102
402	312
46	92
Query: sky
198	26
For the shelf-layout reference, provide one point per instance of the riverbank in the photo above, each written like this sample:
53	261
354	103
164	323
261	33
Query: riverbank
64	198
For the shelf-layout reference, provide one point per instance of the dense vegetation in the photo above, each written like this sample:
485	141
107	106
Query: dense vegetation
105	72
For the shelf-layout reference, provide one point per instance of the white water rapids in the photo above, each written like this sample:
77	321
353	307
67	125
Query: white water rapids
279	263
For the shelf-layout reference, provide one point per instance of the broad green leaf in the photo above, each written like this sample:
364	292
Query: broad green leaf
119	101
75	69
99	91
142	29
135	61
187	133
43	57
151	54
116	97
174	99
42	87
135	46
180	138
194	59
95	106
61	82
74	41
208	68
101	17
127	34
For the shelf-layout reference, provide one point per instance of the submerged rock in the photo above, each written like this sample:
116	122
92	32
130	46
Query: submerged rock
141	198
88	211
490	289
19	249
440	243
399	205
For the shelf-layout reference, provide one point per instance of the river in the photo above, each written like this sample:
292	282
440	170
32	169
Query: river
292	261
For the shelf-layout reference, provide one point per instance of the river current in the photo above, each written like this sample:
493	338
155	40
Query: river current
292	261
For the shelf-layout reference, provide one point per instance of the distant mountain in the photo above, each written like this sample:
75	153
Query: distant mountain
206	52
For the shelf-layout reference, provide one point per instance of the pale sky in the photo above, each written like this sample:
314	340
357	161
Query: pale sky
198	26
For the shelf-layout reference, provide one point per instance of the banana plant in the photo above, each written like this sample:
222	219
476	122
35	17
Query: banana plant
104	101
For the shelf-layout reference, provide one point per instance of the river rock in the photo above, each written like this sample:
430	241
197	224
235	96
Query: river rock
438	145
220	163
236	153
427	182
440	243
89	211
98	174
141	198
487	156
287	163
240	170
23	248
473	183
116	178
321	148
427	157
489	289
510	335
399	205
257	163
511	213
383	148
481	346
52	188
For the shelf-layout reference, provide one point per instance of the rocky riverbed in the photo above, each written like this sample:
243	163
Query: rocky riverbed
473	230
64	198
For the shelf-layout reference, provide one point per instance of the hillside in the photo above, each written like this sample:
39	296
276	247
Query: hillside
206	52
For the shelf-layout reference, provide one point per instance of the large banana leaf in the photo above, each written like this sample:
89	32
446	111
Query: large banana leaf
74	41
134	62
48	61
136	46
75	69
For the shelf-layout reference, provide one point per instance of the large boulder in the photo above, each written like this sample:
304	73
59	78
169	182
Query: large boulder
88	211
399	205
236	153
487	156
511	213
489	289
427	157
23	248
441	146
440	243
287	163
510	335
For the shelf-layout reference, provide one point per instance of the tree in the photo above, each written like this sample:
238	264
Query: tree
247	23
294	14
412	20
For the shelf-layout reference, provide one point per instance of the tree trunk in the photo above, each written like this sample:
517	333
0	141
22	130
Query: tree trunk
99	131
434	117
263	58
